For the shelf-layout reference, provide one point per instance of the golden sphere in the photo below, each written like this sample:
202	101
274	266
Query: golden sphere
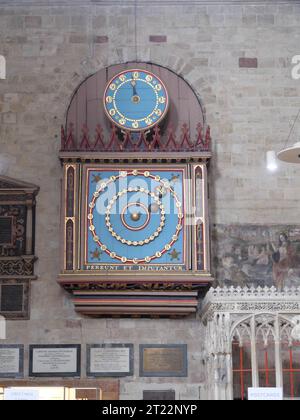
135	217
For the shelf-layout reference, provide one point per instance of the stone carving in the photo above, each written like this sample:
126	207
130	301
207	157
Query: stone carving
295	332
245	300
17	267
252	255
18	217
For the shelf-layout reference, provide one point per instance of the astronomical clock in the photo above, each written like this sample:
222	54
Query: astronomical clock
135	227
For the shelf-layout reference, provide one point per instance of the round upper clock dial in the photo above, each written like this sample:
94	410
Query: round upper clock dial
136	100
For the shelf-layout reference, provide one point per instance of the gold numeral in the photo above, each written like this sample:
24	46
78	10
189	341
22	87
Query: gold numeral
162	100
109	99
122	121
136	75
149	78
148	121
112	86
112	112
158	112
122	78
135	124
158	87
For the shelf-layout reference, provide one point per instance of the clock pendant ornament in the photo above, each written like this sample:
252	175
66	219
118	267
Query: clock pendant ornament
136	100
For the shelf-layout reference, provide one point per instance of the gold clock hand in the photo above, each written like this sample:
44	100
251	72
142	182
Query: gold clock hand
133	84
135	97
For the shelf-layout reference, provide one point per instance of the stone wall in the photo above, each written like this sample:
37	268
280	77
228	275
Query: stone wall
238	60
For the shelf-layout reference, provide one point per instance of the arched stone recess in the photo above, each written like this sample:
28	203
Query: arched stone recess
85	107
90	66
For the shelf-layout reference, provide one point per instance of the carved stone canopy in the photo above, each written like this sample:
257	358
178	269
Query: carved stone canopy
250	300
10	185
17	220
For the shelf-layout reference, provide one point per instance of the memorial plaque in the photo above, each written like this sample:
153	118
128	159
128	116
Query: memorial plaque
11	361
168	395
163	360
55	360
114	360
12	298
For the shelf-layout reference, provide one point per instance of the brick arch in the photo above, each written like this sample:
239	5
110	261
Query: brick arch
85	106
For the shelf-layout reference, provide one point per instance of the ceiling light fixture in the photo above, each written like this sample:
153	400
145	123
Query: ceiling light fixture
290	154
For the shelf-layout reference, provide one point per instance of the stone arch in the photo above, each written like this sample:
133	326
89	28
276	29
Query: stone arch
84	109
90	66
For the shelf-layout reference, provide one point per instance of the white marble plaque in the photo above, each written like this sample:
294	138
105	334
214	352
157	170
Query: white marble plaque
110	360
54	360
9	360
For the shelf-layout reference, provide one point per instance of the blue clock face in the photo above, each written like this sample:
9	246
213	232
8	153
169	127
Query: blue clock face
135	219
136	100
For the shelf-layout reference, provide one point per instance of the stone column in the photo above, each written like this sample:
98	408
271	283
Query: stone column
29	225
219	357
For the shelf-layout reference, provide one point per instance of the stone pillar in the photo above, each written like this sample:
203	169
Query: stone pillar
219	357
29	225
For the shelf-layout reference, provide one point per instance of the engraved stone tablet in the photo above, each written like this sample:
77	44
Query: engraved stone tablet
55	361
164	360
11	361
110	360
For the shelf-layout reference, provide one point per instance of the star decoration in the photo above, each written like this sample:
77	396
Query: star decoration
96	179
174	179
174	255
96	254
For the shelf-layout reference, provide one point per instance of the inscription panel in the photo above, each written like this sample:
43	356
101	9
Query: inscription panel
55	361
114	360
168	395
11	361
163	360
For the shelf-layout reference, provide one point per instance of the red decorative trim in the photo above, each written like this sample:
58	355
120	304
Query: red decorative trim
126	142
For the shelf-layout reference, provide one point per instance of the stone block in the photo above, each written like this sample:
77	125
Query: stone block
9	118
249	63
158	38
78	39
101	39
33	22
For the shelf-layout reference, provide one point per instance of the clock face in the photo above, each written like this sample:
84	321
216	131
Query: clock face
135	219
136	100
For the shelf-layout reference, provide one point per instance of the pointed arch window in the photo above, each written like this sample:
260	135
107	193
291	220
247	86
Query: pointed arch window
265	355
265	350
241	360
290	356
